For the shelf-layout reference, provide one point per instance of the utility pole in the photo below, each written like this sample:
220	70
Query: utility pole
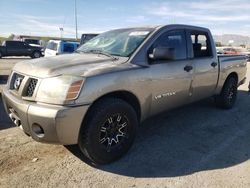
76	19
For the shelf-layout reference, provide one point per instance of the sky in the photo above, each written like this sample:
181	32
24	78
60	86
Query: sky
45	17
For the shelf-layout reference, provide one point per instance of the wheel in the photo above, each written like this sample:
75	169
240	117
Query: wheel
36	54
109	131
1	55
228	95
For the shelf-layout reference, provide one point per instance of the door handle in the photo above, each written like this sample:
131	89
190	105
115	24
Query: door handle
214	64
188	68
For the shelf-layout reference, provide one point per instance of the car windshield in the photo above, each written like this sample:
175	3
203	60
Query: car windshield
121	42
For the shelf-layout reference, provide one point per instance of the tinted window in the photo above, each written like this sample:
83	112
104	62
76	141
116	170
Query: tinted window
32	41
201	45
69	48
175	40
15	44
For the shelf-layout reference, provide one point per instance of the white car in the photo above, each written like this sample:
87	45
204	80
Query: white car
56	47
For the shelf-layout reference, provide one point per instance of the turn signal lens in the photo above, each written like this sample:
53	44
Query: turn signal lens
74	90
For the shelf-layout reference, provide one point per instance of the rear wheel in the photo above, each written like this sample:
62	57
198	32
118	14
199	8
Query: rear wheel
228	95
109	131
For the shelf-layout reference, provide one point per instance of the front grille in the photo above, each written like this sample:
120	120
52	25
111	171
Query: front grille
31	87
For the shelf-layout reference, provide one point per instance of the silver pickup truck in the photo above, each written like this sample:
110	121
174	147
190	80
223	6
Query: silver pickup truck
97	96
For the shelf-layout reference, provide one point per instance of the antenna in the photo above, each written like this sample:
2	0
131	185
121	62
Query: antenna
76	20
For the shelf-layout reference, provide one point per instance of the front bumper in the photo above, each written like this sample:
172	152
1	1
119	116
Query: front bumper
43	122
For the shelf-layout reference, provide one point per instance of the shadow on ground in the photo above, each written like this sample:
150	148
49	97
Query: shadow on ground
197	137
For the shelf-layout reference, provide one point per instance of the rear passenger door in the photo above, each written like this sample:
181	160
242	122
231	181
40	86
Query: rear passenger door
205	65
170	81
12	48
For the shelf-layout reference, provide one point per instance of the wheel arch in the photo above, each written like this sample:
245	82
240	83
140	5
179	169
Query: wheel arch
124	95
232	74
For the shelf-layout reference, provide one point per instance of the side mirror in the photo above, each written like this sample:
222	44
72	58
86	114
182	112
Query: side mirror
162	53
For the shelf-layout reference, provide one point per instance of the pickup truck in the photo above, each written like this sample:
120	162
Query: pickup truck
19	48
97	96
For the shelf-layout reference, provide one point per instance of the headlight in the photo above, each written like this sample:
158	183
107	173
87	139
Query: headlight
59	90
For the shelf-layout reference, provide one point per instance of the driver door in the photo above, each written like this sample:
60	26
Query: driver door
171	79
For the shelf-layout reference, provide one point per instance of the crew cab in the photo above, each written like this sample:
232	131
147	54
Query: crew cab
19	48
97	96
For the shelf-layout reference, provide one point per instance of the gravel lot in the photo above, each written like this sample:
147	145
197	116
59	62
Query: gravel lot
194	146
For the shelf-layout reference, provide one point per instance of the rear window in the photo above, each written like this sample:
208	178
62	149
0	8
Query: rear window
52	46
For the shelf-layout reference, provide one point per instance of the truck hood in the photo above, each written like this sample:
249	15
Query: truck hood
72	64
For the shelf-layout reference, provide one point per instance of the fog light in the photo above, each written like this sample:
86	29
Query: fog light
38	130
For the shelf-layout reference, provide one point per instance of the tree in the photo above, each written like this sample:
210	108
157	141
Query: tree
11	37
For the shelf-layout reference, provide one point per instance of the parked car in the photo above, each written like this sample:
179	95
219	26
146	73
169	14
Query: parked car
86	37
231	51
97	96
245	52
57	47
19	48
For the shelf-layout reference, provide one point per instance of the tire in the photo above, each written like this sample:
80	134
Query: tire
36	54
1	55
109	131
228	95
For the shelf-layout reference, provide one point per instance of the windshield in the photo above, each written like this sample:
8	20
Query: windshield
121	42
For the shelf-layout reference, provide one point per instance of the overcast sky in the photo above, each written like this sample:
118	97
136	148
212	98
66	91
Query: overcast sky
45	17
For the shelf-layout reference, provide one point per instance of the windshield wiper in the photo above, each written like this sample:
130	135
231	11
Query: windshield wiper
101	52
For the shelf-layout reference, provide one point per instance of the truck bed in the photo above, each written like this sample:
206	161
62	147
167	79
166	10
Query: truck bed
228	62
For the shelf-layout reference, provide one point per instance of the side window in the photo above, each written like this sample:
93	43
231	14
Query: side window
68	48
16	44
173	39
11	44
201	45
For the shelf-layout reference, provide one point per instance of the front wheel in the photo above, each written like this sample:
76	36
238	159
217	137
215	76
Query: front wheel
228	95
109	131
36	54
